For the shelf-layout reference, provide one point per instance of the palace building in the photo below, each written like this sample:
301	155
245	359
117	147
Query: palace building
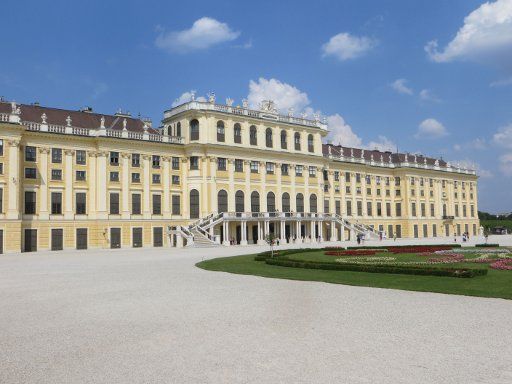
211	175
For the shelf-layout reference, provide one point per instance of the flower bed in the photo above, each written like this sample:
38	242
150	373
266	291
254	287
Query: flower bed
502	264
487	245
353	252
447	258
419	249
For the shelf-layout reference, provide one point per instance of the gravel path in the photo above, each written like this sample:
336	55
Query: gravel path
150	316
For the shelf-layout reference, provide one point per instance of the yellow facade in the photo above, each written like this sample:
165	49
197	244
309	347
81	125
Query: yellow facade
257	154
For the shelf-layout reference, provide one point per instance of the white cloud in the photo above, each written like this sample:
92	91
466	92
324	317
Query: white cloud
504	137
340	133
502	82
382	144
284	95
185	97
287	96
427	95
506	164
470	164
476	144
430	129
345	46
204	33
486	31
399	86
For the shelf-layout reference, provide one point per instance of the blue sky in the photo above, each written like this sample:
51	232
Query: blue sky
369	66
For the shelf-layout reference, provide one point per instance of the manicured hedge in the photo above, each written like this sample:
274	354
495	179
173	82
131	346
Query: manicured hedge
487	245
262	256
425	271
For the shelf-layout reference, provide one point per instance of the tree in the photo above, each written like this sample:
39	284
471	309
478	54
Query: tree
270	239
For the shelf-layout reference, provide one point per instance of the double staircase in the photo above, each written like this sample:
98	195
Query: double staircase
198	233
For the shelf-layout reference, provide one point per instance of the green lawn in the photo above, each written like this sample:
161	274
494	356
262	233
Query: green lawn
494	284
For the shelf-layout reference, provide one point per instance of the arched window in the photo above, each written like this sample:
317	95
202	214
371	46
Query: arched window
296	140
255	202
178	129
194	204
239	201
222	201
268	138
271	202
237	133
300	202
286	202
220	131
311	145
312	203
194	130
284	143
253	133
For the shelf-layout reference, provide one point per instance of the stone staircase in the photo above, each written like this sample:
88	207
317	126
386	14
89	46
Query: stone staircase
201	240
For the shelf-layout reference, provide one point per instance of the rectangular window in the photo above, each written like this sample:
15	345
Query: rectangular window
136	204
298	170
398	209
464	211
284	169
379	209
1	147
472	207
56	203
176	209
347	177
155	161
175	163
358	177
157	205
398	193
194	162
114	204
239	165
326	206
312	171
158	236
114	176
398	231
337	204
2	170
135	177
56	155
456	210
358	190
369	191
57	239
81	158
156	178
135	160
368	179
413	209
81	238
114	158
30	153
80	175
425	230
1	200
56	174
369	206
336	176
175	180
221	164
359	208
30	203
423	210
270	168
137	237
388	209
254	166
347	189
80	203
432	210
349	207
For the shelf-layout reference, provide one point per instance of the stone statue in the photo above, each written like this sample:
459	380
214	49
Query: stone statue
290	112
229	102
124	124
102	122
245	103
211	97
43	118
68	121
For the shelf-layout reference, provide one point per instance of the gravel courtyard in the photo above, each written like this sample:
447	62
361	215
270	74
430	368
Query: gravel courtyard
151	316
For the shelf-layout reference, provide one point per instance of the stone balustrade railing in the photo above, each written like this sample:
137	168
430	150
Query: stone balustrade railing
266	115
79	131
408	164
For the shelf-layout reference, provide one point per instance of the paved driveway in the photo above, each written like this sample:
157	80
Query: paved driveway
150	316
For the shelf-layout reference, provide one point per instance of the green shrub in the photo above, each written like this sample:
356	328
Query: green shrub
414	270
262	256
487	245
454	245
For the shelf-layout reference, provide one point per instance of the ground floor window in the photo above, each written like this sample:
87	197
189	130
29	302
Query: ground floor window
81	238
57	239
158	237
137	237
